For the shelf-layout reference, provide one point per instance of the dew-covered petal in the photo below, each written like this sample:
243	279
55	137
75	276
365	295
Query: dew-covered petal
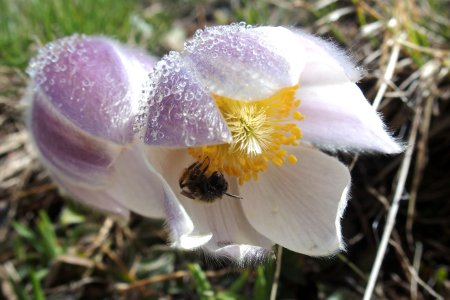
325	62
245	63
94	82
223	221
299	206
136	59
338	116
177	111
82	98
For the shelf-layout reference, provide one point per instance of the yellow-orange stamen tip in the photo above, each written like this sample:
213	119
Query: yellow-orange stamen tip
298	116
278	161
260	128
292	159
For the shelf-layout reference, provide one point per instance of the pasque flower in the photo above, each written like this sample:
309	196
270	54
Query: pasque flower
252	103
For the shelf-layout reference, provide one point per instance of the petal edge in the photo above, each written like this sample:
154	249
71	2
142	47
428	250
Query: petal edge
300	206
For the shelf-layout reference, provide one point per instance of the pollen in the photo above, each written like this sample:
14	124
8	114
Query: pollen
260	129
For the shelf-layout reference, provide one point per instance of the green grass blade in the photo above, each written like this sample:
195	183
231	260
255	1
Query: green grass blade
38	292
202	284
261	285
239	283
48	234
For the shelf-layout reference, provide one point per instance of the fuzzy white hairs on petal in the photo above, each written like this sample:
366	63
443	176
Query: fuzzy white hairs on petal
346	61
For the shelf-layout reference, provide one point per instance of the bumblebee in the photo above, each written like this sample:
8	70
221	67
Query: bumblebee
197	185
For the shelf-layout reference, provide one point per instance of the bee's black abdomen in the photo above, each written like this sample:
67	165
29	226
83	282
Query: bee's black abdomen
195	184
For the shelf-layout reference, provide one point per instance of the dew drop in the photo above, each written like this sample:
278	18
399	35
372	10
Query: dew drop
87	83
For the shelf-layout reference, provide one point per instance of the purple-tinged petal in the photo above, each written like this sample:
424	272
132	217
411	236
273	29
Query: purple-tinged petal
68	149
83	96
240	62
222	221
338	116
93	82
177	111
299	206
130	185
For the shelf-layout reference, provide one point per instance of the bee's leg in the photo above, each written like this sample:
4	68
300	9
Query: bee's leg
181	183
187	194
194	166
233	196
205	162
182	180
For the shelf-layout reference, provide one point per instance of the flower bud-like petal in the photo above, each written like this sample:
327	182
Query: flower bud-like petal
94	80
177	110
82	101
68	148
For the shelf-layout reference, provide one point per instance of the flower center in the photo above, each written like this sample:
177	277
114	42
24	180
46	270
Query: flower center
259	129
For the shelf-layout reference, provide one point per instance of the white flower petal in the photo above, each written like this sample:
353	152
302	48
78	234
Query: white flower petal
141	189
135	185
181	227
338	116
98	199
190	241
325	62
223	220
129	185
245	63
244	255
299	206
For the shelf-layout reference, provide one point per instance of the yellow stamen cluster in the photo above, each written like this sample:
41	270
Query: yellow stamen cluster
259	129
